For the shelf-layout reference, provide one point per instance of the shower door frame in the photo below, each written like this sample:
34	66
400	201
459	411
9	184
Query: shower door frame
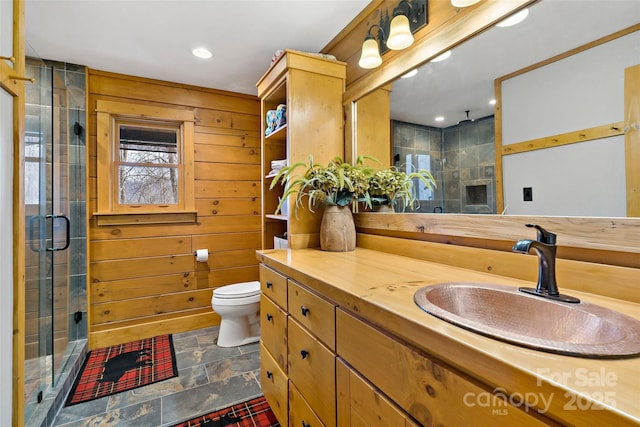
11	73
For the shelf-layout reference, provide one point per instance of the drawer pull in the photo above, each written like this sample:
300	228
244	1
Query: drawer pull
269	317
304	310
269	374
304	353
305	424
269	285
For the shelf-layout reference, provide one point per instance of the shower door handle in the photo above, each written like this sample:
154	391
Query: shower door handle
68	232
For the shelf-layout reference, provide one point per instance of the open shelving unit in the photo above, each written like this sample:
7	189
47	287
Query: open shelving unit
311	86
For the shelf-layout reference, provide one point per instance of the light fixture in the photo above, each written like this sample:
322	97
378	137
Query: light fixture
408	17
492	102
400	36
514	19
201	52
439	119
463	3
370	56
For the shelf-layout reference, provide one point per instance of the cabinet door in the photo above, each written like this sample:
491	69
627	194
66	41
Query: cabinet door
300	413
274	385
362	405
273	331
312	369
313	312
430	392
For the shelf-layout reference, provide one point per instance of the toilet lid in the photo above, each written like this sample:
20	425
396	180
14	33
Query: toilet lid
238	290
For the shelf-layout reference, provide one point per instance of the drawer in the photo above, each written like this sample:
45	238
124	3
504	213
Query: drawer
300	413
429	391
273	285
312	368
313	312
274	384
273	331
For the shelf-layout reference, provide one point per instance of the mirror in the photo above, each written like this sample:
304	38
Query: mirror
461	150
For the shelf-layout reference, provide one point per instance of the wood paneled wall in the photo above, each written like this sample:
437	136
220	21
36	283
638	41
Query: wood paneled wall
144	279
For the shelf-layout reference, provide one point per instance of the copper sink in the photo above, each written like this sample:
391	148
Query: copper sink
504	313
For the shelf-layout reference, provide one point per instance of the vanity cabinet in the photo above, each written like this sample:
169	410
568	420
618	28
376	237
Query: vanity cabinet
297	351
340	370
311	87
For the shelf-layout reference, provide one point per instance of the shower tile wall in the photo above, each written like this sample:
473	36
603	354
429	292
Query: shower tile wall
409	138
469	161
462	163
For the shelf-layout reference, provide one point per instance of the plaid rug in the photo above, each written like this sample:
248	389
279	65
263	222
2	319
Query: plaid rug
123	367
252	413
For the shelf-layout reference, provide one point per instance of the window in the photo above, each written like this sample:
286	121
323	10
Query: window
145	164
148	163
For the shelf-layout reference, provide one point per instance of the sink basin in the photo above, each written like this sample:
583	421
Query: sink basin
504	313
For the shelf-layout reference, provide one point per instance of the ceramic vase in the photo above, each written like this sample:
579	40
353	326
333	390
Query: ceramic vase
337	229
384	209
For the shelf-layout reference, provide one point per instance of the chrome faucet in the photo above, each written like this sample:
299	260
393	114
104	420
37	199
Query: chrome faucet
545	247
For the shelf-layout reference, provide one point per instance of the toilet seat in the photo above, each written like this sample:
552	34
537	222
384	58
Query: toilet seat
238	290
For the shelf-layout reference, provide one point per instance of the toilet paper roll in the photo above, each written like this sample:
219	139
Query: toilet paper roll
202	255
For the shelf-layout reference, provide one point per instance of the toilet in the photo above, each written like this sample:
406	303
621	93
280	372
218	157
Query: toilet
239	308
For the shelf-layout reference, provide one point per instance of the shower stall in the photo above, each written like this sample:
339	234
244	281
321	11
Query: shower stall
55	210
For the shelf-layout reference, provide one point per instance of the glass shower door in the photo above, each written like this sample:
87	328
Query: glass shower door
48	236
38	128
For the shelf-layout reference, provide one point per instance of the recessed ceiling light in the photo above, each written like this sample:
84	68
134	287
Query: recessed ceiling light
410	74
202	52
439	119
442	56
514	19
492	102
463	3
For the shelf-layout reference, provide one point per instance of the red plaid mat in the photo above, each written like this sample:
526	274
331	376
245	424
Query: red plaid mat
124	367
252	413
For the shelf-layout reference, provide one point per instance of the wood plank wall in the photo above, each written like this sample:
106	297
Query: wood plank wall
144	279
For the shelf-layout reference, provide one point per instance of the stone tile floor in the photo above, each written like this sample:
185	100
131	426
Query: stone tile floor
209	378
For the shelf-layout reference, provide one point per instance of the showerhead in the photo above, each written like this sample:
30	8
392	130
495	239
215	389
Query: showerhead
467	119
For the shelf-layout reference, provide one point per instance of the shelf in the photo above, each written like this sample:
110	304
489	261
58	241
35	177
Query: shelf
278	217
279	134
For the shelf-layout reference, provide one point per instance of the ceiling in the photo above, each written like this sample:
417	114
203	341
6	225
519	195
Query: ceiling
154	38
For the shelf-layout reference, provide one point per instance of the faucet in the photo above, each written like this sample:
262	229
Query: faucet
545	247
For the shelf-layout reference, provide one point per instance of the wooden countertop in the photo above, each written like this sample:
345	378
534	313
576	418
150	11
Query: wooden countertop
379	287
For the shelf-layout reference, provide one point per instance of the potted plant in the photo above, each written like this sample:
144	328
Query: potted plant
392	187
334	186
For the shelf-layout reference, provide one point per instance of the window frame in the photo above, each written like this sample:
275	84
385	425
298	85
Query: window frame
109	209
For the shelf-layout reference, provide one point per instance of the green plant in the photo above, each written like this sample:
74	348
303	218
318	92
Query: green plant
392	186
338	183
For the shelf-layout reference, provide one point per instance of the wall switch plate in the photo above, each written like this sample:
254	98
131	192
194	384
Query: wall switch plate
527	194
